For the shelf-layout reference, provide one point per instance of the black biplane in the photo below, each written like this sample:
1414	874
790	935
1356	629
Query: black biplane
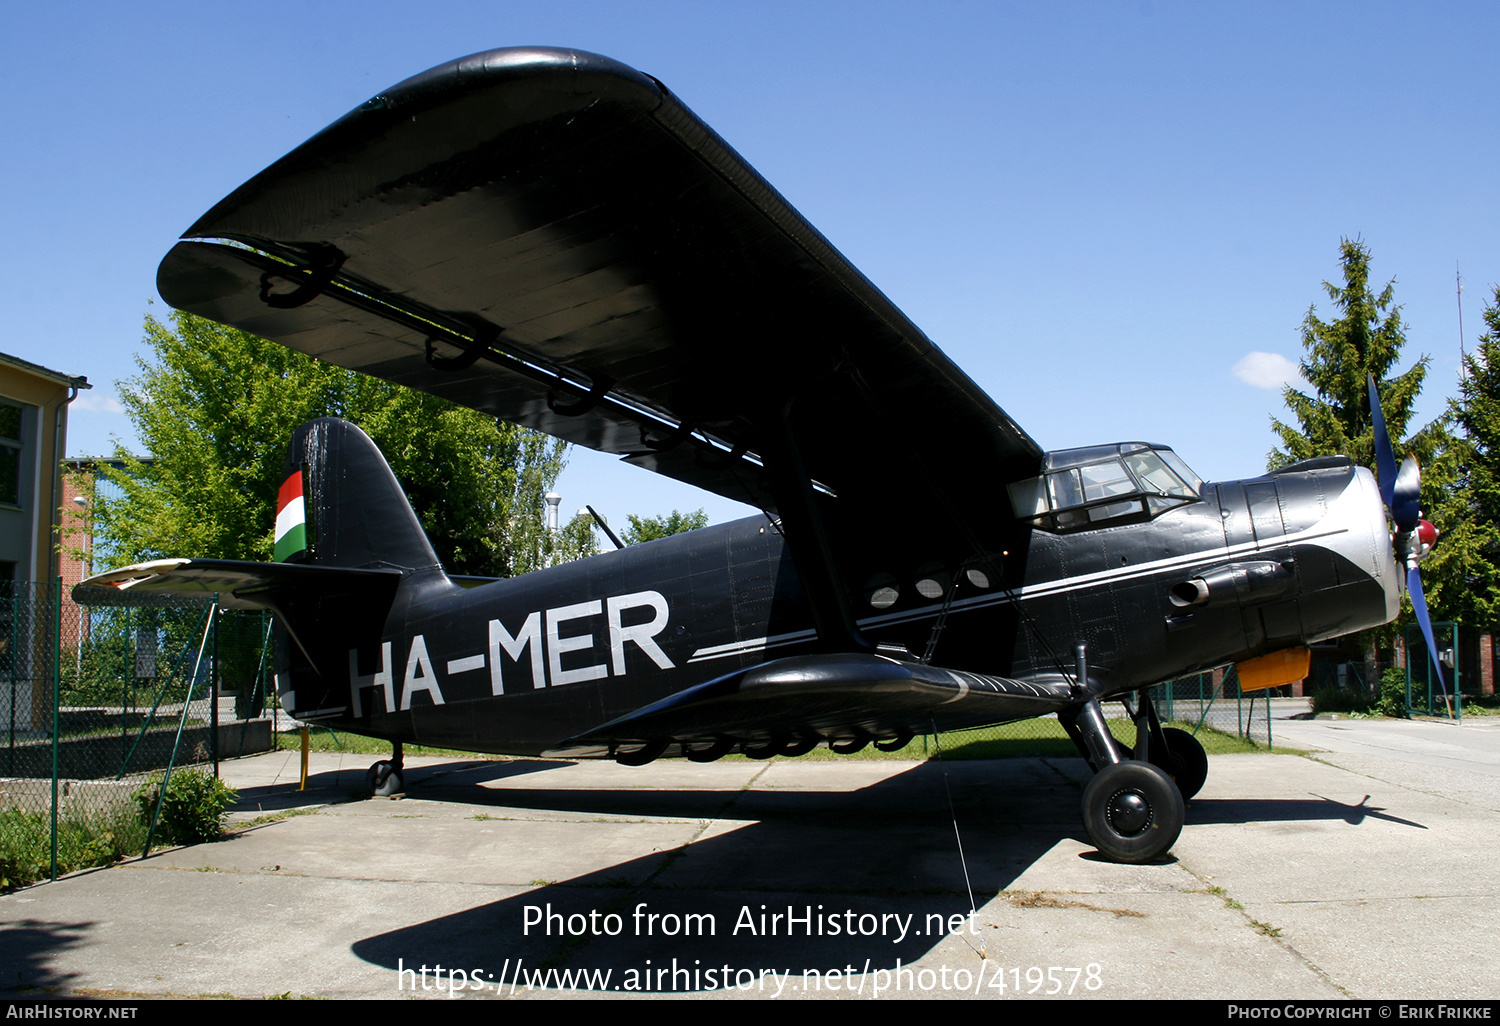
550	237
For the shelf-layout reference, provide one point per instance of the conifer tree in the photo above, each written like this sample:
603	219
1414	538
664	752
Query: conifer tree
1365	338
1464	569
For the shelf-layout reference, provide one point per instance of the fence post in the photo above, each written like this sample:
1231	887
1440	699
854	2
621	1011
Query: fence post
56	655
213	689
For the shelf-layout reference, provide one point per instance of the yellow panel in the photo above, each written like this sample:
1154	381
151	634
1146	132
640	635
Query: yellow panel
1274	669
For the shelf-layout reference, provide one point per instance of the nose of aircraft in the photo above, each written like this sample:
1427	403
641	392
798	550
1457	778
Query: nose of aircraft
1383	565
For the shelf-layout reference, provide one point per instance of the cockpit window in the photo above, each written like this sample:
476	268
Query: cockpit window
1066	489
1183	471
1105	480
1155	476
1104	485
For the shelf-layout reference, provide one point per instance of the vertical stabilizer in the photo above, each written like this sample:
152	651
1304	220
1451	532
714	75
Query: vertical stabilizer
340	505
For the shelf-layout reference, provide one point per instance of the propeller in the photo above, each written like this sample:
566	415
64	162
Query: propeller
1414	537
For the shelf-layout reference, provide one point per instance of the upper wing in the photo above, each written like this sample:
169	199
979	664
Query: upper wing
550	237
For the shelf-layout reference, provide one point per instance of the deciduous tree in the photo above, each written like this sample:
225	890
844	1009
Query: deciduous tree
215	407
644	529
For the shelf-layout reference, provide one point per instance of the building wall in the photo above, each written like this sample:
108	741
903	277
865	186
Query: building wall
27	525
33	432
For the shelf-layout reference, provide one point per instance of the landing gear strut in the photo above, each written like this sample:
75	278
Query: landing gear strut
385	779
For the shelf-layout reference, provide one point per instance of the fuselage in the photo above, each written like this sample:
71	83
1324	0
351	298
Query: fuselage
517	666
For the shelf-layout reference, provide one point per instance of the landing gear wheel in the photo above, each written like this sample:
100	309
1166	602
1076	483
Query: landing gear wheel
384	780
1132	812
1189	762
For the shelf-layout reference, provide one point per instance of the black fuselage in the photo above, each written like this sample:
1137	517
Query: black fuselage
520	666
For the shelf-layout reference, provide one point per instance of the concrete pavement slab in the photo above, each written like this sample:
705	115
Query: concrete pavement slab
1292	878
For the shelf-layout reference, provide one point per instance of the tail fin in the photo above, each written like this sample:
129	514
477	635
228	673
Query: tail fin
340	505
347	544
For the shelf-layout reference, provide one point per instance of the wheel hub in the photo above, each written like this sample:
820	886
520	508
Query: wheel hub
1129	812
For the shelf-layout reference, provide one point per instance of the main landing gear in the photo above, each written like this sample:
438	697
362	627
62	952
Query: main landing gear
385	779
1133	807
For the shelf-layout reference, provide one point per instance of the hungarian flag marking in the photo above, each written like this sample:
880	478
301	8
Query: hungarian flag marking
291	519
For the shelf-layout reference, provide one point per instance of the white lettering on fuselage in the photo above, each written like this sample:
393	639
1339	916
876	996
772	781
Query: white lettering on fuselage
558	646
381	678
420	675
556	630
530	635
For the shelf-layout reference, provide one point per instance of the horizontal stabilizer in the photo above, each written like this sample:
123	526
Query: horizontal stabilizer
833	696
237	584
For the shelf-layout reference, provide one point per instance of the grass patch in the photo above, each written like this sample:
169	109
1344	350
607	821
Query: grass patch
1039	737
1488	705
82	843
240	826
325	740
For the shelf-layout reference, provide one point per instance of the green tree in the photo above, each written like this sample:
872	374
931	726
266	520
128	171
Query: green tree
644	529
1463	572
1365	339
215	408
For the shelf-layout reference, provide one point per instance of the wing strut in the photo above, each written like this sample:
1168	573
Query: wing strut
801	525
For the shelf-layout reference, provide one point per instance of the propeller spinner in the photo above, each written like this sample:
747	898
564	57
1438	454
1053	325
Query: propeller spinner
1414	537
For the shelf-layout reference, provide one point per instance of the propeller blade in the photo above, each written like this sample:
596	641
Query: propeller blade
1385	456
1407	494
1419	604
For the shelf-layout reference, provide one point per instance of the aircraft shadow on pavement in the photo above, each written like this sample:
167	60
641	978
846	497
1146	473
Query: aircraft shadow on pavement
1282	810
869	874
850	869
349	783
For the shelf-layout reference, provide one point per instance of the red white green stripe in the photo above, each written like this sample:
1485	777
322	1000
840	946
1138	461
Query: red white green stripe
291	519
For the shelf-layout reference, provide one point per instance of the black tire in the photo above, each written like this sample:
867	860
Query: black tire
384	780
1132	812
1188	763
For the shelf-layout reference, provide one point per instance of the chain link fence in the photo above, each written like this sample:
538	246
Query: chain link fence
97	701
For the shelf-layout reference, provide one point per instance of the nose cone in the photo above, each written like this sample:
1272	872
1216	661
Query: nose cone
1370	531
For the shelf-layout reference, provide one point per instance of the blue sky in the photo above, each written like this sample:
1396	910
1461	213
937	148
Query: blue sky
1096	209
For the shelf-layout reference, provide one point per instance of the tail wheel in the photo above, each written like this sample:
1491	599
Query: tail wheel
1187	764
384	780
1132	812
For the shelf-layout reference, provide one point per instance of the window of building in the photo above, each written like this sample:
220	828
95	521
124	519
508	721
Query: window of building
10	454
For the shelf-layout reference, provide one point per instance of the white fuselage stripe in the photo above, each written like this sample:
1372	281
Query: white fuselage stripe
1329	527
